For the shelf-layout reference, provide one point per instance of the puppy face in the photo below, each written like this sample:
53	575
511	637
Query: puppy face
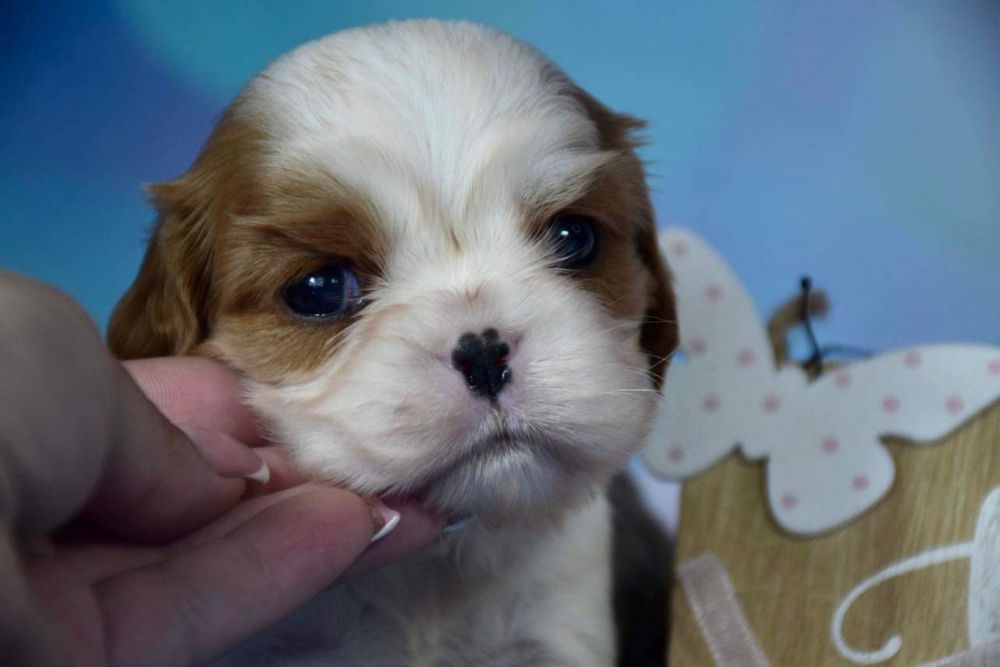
434	259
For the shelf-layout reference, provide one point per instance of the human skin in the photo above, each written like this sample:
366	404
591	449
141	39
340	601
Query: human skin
128	532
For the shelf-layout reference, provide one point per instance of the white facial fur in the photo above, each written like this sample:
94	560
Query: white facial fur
453	133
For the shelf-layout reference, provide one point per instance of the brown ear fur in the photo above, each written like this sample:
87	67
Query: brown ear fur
659	335
163	311
167	310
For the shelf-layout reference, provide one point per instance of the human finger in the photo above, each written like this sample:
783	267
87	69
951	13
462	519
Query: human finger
193	607
197	392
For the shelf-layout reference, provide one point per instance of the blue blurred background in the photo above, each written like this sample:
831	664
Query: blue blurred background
857	141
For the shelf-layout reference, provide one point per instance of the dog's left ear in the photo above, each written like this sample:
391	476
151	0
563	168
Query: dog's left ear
659	334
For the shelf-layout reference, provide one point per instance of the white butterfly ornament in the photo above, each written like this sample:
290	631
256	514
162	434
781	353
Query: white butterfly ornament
825	462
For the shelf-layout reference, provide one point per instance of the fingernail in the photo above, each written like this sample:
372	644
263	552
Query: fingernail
228	456
385	518
457	526
262	475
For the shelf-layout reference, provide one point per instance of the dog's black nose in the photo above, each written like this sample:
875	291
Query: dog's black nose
482	361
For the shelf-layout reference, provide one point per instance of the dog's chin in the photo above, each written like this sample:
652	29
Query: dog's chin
507	481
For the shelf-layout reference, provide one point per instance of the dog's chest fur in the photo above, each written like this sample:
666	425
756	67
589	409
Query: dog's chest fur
490	598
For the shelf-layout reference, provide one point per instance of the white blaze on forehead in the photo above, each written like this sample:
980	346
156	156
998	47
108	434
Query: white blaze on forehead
433	123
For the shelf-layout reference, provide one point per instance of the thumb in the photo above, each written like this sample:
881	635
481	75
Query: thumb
155	484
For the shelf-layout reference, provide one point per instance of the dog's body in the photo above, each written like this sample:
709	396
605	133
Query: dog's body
489	598
434	260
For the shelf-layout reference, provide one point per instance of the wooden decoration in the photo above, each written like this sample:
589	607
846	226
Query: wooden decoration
790	587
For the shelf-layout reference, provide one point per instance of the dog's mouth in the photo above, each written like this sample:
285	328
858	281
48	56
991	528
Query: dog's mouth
500	444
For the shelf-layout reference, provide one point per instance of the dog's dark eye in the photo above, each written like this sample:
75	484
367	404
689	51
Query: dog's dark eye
574	240
328	291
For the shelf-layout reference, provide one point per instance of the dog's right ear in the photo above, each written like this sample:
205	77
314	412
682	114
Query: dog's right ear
165	312
168	309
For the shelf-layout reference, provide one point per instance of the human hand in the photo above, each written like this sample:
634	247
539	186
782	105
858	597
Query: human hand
123	544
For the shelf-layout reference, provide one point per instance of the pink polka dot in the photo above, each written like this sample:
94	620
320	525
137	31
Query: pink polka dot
912	359
890	404
710	403
713	292
860	482
994	368
698	346
746	358
772	404
677	454
679	249
831	445
789	501
954	405
842	379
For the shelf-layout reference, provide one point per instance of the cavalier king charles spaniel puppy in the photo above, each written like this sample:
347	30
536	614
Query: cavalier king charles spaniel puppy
433	259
